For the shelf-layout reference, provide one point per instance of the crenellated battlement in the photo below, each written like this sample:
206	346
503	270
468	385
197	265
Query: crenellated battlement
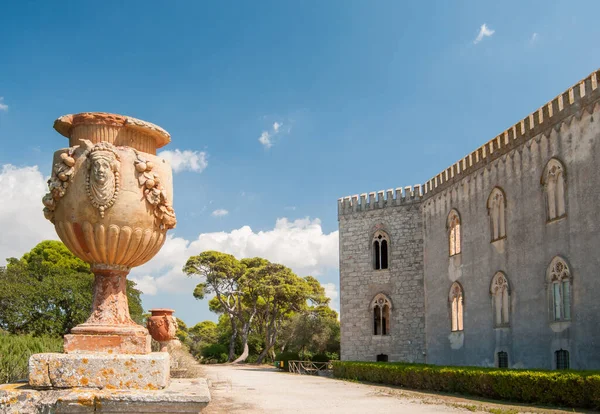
580	96
380	199
548	116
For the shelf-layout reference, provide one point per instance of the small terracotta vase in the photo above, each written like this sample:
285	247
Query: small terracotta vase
162	326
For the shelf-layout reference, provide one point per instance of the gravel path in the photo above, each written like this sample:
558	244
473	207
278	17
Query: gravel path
248	389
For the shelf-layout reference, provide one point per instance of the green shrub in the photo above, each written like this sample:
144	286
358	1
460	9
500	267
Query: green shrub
251	359
214	353
333	356
563	388
286	357
15	352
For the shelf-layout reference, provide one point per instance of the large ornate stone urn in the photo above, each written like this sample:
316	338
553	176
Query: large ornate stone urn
110	203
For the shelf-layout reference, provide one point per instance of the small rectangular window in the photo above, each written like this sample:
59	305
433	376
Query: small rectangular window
562	359
382	358
502	359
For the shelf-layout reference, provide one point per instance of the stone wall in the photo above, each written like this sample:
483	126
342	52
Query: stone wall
402	283
530	245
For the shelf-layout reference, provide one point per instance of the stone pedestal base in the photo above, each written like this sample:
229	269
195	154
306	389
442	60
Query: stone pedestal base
115	344
100	370
182	396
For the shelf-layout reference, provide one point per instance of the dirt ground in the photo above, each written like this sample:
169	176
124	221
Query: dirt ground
252	389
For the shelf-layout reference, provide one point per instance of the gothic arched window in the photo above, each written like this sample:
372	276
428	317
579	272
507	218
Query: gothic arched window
553	181
496	206
381	307
456	306
559	279
381	243
500	292
453	226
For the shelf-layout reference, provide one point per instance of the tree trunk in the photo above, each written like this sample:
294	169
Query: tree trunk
244	355
262	355
245	333
232	340
271	337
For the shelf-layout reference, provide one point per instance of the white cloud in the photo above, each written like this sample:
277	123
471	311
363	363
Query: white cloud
185	160
21	219
3	106
220	212
299	244
267	138
533	39
146	284
484	31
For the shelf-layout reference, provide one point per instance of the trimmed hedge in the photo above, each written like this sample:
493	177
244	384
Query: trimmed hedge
15	352
563	388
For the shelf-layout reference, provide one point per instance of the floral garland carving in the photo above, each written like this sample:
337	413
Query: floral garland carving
62	173
103	179
154	193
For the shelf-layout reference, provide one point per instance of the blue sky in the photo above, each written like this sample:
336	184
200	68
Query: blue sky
354	96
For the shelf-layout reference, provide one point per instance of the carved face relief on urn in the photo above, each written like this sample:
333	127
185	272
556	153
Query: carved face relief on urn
110	200
102	181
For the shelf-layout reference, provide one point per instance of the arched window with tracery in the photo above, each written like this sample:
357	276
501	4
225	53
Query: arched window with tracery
500	291
496	206
453	226
456	299
553	181
381	243
381	307
559	281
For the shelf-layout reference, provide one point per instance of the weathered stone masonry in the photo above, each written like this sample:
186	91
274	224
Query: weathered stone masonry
421	271
402	282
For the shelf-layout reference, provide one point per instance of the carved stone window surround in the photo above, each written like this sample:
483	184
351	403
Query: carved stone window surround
456	303
559	286
496	206
555	190
454	233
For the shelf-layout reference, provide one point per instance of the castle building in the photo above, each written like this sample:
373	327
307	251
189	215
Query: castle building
493	262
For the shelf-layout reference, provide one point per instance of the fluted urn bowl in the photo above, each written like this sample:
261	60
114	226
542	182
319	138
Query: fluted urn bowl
110	194
110	201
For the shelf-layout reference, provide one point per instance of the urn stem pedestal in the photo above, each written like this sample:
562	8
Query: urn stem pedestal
110	327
